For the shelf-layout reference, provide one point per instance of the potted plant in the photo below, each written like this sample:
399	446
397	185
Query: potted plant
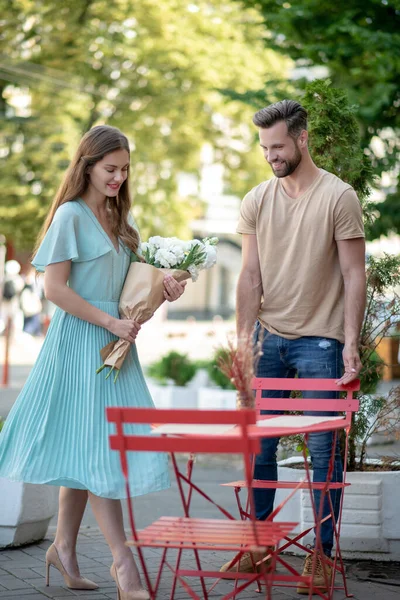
171	375
222	393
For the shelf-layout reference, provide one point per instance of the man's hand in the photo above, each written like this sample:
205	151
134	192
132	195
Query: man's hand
352	365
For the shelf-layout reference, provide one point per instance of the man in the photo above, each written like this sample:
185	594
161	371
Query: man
303	256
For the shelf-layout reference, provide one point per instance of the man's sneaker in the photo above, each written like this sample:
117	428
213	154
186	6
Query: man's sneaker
246	563
319	577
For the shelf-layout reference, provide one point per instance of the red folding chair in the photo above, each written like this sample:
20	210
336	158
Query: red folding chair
188	533
347	405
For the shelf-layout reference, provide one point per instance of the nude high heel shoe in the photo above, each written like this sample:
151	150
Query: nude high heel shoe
133	595
74	583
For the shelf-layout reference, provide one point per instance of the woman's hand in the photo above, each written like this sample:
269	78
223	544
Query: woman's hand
172	288
125	329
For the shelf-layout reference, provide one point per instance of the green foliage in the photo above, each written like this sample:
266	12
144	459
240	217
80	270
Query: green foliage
335	142
1	423
382	314
335	145
173	366
372	371
358	43
153	73
387	216
214	372
180	369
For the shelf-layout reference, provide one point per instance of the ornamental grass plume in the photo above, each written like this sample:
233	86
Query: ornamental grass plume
238	361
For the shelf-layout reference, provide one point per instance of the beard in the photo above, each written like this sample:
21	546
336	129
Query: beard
288	166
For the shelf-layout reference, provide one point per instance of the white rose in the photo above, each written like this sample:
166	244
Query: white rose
211	257
191	243
178	252
158	241
194	272
165	258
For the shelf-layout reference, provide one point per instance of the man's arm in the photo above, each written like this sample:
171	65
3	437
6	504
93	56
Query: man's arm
249	288
352	266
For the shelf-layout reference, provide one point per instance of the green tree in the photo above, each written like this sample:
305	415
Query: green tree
335	136
154	71
359	43
335	146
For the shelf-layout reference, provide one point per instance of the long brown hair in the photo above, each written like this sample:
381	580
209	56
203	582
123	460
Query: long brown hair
94	146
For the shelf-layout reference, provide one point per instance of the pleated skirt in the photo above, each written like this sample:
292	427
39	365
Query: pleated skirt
57	432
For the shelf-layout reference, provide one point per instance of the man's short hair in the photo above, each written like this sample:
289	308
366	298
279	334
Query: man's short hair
290	111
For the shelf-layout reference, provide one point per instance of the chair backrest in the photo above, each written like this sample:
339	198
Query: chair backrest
213	440
347	404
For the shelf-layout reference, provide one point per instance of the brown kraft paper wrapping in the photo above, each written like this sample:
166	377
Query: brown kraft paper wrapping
142	294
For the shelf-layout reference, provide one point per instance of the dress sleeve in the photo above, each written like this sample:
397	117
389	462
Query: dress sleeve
60	242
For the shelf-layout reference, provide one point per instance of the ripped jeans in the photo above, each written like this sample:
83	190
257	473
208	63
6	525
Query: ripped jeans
308	357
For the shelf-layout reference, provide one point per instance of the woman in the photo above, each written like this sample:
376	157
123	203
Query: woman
56	432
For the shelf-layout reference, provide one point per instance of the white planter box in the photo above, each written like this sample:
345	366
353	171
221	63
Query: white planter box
174	396
216	398
370	524
26	511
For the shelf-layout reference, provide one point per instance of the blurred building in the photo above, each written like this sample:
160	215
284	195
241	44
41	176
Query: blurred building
214	292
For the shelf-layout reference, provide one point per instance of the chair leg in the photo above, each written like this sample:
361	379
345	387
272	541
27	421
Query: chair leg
203	584
177	564
160	569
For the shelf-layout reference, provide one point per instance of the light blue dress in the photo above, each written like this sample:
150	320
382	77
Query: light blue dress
56	432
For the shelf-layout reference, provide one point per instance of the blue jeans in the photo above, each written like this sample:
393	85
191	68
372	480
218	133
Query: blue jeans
308	357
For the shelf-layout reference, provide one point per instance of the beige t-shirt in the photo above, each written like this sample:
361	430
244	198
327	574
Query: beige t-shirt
303	291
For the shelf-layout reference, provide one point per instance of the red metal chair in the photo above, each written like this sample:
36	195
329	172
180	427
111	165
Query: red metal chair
198	432
347	405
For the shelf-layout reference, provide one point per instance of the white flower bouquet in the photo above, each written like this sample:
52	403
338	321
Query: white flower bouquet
172	253
143	290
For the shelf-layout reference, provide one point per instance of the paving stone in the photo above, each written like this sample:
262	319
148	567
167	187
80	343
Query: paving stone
24	596
17	594
35	551
27	563
21	573
13	583
15	554
94	595
41	586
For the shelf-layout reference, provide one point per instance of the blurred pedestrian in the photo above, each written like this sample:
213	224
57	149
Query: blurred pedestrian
13	284
31	304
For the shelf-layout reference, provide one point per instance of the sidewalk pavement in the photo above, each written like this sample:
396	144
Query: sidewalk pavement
22	574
